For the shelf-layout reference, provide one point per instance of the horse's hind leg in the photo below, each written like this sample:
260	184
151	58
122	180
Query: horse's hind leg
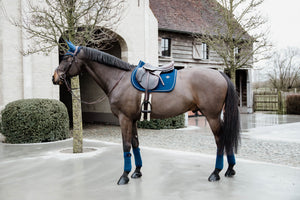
215	125
136	152
231	162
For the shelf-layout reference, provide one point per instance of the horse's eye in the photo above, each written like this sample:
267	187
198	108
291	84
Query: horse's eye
66	57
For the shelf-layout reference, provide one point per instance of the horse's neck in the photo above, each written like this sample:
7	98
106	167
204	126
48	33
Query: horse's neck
105	76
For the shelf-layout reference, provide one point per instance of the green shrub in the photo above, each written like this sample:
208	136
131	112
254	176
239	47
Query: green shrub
169	123
35	120
293	104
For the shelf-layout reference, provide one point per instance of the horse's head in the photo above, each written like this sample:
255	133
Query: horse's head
69	66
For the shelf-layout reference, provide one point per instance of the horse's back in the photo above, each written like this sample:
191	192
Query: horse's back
203	89
202	79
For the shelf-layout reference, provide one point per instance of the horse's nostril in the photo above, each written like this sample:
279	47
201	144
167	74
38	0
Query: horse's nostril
54	81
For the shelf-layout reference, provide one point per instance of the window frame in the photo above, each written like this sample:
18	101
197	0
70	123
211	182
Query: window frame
237	53
165	47
201	51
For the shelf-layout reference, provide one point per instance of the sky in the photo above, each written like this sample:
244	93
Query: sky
284	23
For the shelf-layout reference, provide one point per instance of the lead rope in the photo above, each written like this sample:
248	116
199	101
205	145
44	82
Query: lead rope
99	100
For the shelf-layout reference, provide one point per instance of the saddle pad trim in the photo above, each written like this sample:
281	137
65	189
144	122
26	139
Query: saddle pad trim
160	87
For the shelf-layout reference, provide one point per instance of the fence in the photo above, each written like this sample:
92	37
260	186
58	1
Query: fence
265	101
271	101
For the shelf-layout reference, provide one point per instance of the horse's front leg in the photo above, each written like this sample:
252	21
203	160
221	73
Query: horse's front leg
126	128
136	152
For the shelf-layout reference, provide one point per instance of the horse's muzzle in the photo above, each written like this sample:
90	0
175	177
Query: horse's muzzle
56	79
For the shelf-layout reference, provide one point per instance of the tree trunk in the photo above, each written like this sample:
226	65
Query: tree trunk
232	76
77	116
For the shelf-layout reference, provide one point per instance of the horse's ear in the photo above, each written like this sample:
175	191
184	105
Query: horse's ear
71	46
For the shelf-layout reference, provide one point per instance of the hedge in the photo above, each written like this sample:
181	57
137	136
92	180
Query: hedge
35	120
293	104
169	123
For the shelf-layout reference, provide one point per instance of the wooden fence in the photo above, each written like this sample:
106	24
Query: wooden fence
272	101
265	101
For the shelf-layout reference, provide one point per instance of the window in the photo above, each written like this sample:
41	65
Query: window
201	51
166	47
236	52
204	51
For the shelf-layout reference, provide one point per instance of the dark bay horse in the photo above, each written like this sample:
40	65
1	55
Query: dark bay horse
206	90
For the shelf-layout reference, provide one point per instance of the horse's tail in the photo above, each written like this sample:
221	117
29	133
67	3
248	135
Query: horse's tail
230	135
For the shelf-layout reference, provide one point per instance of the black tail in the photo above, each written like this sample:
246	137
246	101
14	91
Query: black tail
230	136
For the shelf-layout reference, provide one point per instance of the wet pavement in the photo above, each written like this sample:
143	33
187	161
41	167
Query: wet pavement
177	164
271	138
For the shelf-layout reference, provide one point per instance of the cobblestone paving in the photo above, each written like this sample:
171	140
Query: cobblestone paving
201	140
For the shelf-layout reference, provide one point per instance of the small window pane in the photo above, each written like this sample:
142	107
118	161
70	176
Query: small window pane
205	51
165	47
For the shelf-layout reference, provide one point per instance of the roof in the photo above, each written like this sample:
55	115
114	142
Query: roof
187	16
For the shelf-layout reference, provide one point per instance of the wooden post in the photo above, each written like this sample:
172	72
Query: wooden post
77	116
281	102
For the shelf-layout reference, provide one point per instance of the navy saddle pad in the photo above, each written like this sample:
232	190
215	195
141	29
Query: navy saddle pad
169	80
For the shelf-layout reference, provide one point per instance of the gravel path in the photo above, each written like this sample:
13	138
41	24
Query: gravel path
201	140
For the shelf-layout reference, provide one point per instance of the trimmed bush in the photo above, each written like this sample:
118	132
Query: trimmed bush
293	104
35	120
169	123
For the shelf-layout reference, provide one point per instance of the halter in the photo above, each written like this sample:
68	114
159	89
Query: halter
77	50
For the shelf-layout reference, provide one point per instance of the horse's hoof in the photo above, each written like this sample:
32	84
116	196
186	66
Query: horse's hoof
136	174
214	176
230	173
123	180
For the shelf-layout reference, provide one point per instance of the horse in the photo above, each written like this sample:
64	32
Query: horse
206	90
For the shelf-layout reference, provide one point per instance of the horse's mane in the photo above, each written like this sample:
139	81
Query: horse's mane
107	59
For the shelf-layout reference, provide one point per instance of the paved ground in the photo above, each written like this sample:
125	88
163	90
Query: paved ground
265	137
176	165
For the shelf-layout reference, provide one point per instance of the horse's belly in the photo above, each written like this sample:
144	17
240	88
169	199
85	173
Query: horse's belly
171	104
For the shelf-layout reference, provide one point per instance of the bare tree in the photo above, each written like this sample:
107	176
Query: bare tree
49	24
285	70
84	22
230	38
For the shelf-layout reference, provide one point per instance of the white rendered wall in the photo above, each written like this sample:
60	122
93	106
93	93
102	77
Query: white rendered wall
139	29
11	71
30	76
22	77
